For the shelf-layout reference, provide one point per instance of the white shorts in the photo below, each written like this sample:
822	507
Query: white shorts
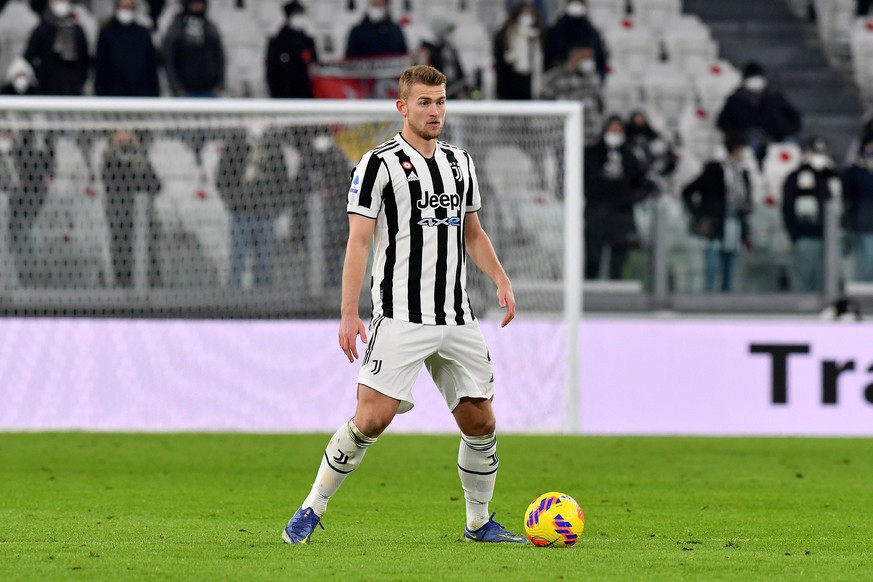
455	356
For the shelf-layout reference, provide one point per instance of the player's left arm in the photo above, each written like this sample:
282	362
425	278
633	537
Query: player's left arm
481	250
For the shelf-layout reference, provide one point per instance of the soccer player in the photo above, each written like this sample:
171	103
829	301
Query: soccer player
416	198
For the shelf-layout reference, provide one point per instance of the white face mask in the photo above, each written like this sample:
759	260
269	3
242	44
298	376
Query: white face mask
376	13
124	16
298	22
819	162
526	19
614	140
61	9
576	10
21	84
5	145
756	84
586	66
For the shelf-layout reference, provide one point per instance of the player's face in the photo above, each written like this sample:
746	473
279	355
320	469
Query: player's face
425	110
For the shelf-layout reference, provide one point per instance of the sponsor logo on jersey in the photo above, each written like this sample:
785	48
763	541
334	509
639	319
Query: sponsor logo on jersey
447	201
448	221
412	177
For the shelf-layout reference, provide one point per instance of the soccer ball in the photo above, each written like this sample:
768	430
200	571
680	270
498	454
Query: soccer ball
554	519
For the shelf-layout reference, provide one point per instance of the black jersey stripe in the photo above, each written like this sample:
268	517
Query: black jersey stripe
386	287
416	239
386	147
366	196
439	289
469	195
458	291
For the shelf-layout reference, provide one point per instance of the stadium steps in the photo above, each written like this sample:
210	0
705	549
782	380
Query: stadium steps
766	31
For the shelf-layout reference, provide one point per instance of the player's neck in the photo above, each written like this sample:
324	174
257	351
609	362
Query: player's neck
426	147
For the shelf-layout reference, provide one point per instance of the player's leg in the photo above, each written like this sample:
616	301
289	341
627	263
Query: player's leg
462	371
343	454
390	366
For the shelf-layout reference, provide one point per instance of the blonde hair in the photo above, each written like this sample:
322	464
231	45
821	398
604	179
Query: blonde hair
423	74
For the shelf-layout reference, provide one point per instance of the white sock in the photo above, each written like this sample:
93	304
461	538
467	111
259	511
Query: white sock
477	466
343	454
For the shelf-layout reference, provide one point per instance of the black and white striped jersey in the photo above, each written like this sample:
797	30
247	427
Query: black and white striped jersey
419	204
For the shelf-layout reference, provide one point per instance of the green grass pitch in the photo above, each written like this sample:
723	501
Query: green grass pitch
82	506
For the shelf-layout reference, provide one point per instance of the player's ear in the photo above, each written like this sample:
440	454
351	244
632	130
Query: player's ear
401	106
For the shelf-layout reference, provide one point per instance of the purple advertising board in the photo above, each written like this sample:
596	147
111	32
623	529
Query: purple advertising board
646	377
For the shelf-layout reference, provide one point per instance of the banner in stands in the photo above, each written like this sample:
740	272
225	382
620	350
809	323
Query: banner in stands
372	78
638	377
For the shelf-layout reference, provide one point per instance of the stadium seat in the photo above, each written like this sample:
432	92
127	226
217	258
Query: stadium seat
622	92
531	216
631	47
70	236
714	83
666	90
606	13
194	245
862	56
834	24
697	132
780	160
657	15
689	44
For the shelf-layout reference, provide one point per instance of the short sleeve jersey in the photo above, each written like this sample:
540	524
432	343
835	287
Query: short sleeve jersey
419	204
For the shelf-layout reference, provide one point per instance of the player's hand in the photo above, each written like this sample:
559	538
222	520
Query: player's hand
507	301
350	328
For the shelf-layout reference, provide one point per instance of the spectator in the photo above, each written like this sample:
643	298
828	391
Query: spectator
541	6
126	64
441	54
518	55
20	79
253	179
719	201
58	52
156	8
193	53
290	54
858	198
760	111
614	183
128	172
653	151
34	162
571	29
376	35
576	80
805	193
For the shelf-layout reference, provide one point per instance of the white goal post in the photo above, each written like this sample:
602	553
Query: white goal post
529	158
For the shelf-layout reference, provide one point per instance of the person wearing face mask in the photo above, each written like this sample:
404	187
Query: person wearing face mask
719	201
571	29
759	110
858	213
576	80
20	79
518	55
377	35
58	51
126	63
290	56
806	192
614	183
194	53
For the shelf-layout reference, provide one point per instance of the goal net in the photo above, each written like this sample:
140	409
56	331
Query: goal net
236	209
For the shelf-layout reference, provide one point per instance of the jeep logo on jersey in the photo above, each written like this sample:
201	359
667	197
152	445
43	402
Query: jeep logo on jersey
449	201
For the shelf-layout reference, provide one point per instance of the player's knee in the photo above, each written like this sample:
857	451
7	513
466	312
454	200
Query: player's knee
372	423
479	425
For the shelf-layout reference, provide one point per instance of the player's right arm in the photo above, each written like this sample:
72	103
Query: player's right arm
361	230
